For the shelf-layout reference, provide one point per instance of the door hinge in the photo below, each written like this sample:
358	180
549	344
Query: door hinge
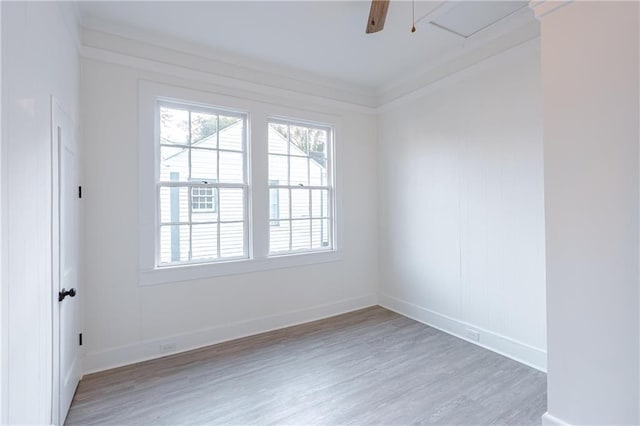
80	338
79	192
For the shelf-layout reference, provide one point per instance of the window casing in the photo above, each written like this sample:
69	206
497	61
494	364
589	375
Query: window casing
260	213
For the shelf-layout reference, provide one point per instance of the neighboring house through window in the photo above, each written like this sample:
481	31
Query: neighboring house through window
203	200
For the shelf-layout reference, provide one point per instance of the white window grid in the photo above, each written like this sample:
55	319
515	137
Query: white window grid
190	184
288	188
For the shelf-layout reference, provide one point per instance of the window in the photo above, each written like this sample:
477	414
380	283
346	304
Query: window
227	185
300	187
201	183
202	200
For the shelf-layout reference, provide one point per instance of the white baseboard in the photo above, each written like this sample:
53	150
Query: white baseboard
518	351
150	349
549	420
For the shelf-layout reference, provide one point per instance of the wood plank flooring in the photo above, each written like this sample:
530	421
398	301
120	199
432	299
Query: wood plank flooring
367	367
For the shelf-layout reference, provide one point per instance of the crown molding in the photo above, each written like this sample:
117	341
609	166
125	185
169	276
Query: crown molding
221	84
543	8
153	52
145	45
518	28
420	86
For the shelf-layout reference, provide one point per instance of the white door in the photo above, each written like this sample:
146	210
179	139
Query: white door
66	312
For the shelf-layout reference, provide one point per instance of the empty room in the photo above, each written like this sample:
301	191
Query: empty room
364	212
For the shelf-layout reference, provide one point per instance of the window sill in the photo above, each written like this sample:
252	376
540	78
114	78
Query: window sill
171	274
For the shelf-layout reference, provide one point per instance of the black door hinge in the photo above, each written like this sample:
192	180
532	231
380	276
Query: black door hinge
80	338
79	192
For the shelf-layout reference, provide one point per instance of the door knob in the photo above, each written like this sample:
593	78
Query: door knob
64	293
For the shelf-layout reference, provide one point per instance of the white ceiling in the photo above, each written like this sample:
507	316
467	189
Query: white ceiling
326	38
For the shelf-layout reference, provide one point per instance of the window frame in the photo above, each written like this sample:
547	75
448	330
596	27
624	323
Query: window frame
257	194
330	187
191	183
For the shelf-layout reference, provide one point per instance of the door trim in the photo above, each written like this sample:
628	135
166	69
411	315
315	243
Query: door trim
55	262
59	119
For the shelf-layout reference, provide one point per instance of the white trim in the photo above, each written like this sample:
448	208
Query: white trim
519	27
133	53
4	347
455	70
56	110
186	272
150	349
503	345
550	420
140	42
542	8
259	114
245	77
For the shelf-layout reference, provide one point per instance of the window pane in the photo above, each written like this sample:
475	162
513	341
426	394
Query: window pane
231	204
318	146
278	169
300	234
231	239
204	204
320	234
174	204
320	203
231	133
299	140
317	173
174	126
299	203
203	130
231	167
174	164
204	241
278	138
279	236
274	203
283	198
174	243
326	233
203	165
299	171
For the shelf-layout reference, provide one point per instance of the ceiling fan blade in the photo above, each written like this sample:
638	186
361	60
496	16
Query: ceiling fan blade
377	15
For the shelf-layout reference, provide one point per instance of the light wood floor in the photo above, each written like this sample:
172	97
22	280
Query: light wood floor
366	367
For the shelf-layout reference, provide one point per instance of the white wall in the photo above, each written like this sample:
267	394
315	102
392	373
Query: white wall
126	322
39	58
591	114
461	205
